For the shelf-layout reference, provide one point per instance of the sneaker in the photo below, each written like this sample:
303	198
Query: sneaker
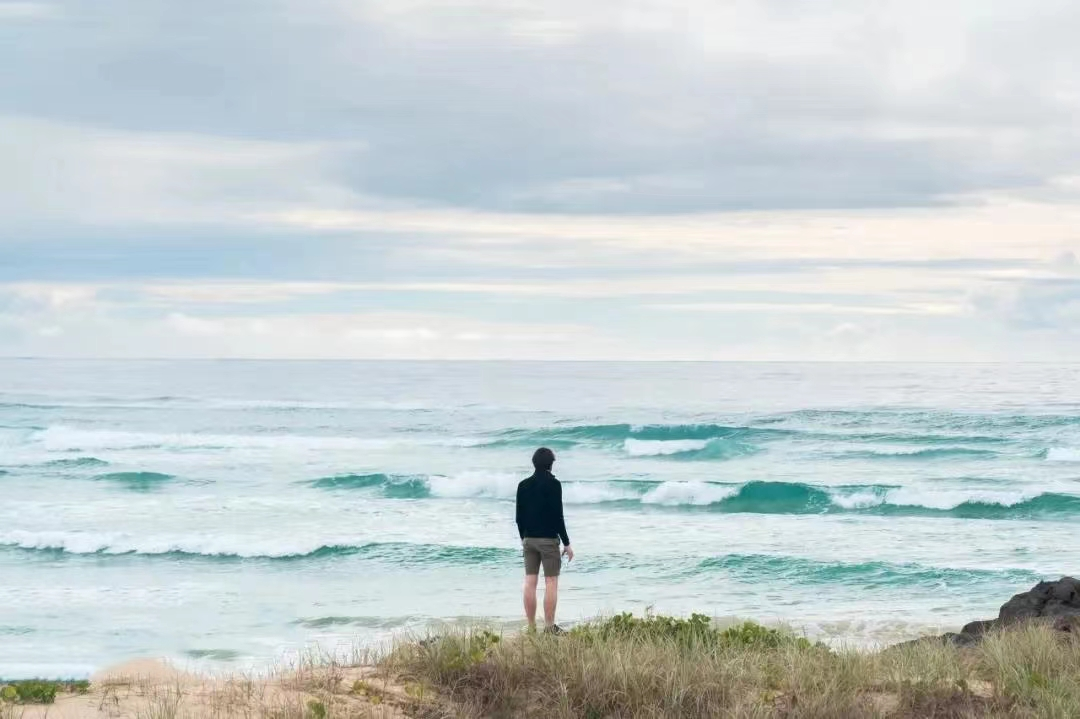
554	629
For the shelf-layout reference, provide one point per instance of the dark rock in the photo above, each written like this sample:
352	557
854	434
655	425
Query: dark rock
1022	606
961	639
1043	589
1045	599
1065	590
1056	603
979	627
1055	608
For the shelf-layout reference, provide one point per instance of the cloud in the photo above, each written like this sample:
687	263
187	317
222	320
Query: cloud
361	334
1044	301
616	108
62	175
236	292
101	328
480	178
797	307
23	10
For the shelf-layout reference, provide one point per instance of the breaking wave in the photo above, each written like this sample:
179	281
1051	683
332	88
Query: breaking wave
226	549
138	481
688	449
756	567
62	438
393	486
752	568
76	462
1062	454
750	497
922	454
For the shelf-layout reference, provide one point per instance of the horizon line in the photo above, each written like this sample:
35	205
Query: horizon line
24	358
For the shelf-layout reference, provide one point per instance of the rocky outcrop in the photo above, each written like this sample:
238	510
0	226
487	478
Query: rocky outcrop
1055	603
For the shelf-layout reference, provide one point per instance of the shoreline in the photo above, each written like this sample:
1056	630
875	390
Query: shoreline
1023	663
345	648
623	666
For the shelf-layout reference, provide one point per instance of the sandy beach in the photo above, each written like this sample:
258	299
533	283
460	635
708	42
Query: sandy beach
149	688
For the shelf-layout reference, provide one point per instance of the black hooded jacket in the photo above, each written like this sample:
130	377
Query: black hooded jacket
539	507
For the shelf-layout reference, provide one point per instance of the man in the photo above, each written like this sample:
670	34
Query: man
541	526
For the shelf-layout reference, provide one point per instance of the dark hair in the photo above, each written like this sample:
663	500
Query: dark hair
543	458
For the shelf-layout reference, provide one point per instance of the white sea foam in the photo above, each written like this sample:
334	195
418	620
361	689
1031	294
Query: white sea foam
657	447
11	438
693	493
857	500
596	492
275	404
493	485
219	545
949	499
1062	454
62	439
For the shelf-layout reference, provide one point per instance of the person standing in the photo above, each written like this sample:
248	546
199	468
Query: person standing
541	527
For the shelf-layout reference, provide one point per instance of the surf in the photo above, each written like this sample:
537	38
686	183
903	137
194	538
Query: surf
756	497
60	544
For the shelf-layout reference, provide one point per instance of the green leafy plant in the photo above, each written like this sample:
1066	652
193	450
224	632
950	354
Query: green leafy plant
696	631
750	634
34	692
452	655
39	691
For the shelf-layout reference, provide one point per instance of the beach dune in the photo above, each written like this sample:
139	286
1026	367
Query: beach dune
156	689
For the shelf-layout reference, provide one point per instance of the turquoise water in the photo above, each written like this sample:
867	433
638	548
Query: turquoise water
227	513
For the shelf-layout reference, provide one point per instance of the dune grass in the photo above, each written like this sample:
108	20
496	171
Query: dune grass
655	667
623	667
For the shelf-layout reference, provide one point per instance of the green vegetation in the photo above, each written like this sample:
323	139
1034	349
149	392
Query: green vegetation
628	667
38	691
696	632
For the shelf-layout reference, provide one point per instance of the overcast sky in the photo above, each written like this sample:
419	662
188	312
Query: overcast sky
632	179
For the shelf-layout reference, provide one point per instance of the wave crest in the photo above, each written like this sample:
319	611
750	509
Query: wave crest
755	567
137	481
76	462
392	486
688	449
1062	454
751	568
756	497
923	453
74	543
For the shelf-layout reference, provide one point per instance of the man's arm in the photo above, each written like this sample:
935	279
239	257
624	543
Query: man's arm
561	520
518	511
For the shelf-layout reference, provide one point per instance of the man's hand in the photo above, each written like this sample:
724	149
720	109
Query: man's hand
568	553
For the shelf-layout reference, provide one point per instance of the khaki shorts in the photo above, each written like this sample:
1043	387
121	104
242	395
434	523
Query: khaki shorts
544	551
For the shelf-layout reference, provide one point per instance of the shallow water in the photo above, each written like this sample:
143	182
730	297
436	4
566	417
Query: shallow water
223	513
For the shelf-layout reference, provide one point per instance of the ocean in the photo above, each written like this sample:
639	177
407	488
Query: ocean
229	513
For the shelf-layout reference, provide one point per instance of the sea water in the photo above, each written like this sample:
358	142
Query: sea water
232	512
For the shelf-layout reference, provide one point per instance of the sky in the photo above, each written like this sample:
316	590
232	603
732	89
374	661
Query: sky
541	179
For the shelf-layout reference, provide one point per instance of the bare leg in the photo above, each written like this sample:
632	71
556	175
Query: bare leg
551	599
530	599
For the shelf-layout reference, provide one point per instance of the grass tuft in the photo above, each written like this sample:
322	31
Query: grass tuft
650	667
625	667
